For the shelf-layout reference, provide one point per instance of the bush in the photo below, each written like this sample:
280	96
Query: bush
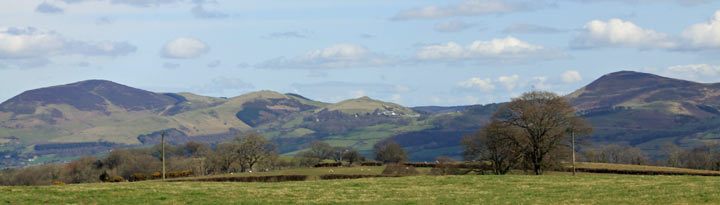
116	179
104	177
274	178
138	177
448	169
352	176
640	172
328	164
419	164
371	164
186	173
400	170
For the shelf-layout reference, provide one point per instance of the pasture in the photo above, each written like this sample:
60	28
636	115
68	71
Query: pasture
554	188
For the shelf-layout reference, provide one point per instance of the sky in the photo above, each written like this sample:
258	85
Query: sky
411	52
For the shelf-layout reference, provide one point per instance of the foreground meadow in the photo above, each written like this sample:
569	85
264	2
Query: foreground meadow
514	189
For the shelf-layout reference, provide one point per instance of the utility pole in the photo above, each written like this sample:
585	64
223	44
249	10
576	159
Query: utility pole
163	154
572	134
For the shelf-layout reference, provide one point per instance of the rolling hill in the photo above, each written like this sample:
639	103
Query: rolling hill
92	117
649	111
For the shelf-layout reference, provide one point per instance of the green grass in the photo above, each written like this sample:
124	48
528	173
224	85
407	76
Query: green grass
314	173
467	189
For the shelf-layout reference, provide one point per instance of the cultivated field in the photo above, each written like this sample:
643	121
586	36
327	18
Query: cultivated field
555	188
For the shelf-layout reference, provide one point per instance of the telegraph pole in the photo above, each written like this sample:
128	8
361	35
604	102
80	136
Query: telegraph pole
163	155
572	134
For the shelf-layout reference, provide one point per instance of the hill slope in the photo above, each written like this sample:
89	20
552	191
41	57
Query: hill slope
632	108
649	111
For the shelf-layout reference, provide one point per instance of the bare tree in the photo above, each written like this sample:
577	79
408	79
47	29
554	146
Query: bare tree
223	158
337	153
543	121
673	153
617	154
351	156
320	150
495	143
252	149
389	152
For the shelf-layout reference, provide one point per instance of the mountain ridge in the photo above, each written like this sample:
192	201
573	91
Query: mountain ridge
626	107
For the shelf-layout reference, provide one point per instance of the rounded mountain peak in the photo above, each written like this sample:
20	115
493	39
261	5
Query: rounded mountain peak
89	95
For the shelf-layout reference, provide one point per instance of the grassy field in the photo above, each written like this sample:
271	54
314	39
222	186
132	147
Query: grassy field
553	188
467	189
643	168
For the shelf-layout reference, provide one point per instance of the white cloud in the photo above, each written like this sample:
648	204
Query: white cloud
214	64
467	8
508	48
510	82
540	83
135	3
483	84
104	21
402	88
571	76
703	72
171	65
48	8
336	56
357	93
139	3
452	26
24	63
704	34
619	33
30	42
530	28
242	65
682	2
304	33
396	98
184	48
472	99
199	11
222	84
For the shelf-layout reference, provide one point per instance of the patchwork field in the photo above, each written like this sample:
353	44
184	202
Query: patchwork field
556	188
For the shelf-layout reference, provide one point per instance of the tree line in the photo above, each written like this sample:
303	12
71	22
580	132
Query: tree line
245	152
533	133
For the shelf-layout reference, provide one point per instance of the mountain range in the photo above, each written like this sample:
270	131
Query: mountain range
92	117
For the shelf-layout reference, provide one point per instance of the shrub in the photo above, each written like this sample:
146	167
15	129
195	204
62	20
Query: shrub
186	173
58	183
448	169
371	164
138	177
116	179
419	164
104	177
400	170
328	164
640	172
480	167
274	178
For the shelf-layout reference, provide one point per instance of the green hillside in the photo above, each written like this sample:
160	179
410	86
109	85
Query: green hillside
627	108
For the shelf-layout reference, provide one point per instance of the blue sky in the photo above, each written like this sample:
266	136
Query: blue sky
412	52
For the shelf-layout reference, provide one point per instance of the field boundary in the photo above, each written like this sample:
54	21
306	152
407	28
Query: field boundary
271	178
